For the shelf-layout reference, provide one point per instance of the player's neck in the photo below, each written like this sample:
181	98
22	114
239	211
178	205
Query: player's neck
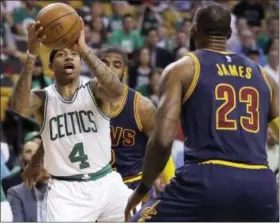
67	91
214	43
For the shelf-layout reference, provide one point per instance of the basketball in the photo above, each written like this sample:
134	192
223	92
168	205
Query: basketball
61	25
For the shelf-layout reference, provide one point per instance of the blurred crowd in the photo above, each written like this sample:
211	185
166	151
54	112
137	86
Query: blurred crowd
153	33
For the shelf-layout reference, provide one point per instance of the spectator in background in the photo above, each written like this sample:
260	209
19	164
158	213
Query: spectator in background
7	42
272	67
271	32
115	22
127	38
248	42
31	142
96	11
159	57
253	55
234	43
181	52
185	26
4	169
164	41
149	19
181	40
97	26
139	73
39	80
150	90
6	212
252	10
24	15
272	148
29	204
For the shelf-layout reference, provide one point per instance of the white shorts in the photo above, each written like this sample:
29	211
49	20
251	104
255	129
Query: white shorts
6	214
103	200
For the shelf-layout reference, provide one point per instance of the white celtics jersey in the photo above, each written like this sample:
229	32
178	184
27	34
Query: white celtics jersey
76	134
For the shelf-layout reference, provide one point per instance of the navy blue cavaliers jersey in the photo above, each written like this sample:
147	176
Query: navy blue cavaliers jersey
128	139
226	109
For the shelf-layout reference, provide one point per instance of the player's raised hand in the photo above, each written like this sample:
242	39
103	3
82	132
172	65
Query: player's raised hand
35	37
80	46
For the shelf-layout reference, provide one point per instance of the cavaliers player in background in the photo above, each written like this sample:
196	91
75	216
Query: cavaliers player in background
226	102
131	124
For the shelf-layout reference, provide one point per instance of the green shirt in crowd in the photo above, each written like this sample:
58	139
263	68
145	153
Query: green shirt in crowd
127	41
22	15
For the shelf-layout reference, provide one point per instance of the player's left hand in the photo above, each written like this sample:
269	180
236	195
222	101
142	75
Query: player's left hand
80	46
133	201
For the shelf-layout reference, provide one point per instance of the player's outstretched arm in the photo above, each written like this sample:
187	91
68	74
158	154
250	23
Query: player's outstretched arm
166	122
146	112
24	101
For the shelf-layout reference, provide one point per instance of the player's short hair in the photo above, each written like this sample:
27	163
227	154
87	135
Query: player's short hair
52	55
213	20
115	50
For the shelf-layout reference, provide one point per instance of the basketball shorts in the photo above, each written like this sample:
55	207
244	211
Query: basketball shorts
214	193
102	200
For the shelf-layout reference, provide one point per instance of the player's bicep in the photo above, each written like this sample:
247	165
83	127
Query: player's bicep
36	102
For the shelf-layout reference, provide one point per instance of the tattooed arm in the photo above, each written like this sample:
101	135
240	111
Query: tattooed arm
24	101
111	87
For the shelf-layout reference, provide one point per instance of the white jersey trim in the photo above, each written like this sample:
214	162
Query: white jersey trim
45	112
72	99
94	101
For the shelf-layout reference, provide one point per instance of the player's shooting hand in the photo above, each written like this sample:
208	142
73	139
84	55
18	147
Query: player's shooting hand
35	37
133	201
80	46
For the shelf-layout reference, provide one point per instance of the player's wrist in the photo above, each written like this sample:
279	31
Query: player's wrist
83	49
142	189
30	54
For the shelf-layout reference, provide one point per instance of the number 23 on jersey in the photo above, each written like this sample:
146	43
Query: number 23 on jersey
248	96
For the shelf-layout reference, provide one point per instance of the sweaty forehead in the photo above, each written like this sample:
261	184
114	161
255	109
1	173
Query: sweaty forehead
112	57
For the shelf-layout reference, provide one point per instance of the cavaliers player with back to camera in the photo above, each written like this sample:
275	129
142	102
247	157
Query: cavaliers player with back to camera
75	132
226	102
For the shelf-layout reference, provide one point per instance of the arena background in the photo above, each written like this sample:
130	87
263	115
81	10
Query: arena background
153	33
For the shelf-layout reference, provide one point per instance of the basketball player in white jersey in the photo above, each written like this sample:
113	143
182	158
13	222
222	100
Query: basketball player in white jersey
75	132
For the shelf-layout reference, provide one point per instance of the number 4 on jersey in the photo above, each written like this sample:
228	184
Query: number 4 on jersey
78	155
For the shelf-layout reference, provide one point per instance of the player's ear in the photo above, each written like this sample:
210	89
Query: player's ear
193	30
51	66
